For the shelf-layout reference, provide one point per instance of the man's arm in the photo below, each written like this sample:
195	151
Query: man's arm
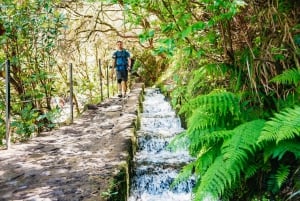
128	60
129	63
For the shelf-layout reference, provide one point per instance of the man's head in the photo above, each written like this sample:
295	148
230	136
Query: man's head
120	45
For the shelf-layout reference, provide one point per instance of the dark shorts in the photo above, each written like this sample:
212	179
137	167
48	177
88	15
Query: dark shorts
122	75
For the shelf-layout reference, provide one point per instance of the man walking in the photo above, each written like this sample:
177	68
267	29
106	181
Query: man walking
122	63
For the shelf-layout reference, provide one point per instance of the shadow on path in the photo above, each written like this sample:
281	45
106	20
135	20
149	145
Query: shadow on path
75	162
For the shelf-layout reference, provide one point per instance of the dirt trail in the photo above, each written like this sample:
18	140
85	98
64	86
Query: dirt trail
75	162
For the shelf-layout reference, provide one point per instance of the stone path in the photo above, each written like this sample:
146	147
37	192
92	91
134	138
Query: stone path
75	162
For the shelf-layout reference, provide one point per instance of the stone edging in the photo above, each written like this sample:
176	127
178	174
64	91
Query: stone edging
120	184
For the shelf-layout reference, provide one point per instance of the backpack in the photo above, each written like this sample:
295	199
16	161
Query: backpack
120	57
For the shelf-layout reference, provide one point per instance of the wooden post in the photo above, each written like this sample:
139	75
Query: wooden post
7	99
71	91
112	82
107	79
100	74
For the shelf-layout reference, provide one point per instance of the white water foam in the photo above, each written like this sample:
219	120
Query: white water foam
156	166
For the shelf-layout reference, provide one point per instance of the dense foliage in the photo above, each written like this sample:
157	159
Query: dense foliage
41	38
29	31
231	68
233	75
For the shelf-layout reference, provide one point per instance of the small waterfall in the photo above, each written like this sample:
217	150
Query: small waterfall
155	166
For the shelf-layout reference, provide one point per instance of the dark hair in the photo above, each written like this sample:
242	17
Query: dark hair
119	41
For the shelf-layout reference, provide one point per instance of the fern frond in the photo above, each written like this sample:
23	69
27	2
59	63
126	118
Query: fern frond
205	73
290	76
285	125
250	170
185	173
217	69
282	174
197	81
219	102
195	140
276	180
273	150
179	142
199	138
201	120
243	140
215	137
235	154
206	158
212	112
212	182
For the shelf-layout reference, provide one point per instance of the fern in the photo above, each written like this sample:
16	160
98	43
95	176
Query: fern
204	137
282	174
251	169
201	120
206	158
195	140
184	175
179	142
276	180
217	69
212	112
218	102
278	150
197	82
212	184
214	137
207	73
227	167
290	76
285	125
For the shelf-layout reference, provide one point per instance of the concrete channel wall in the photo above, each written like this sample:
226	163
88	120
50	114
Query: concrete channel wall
119	191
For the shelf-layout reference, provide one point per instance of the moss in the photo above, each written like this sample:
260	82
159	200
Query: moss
120	185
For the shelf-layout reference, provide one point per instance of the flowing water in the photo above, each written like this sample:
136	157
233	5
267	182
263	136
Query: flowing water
155	166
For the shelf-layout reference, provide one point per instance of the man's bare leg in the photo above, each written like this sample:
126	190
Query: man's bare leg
119	89
124	88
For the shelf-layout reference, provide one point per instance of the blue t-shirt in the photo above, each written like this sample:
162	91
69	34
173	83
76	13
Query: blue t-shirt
121	59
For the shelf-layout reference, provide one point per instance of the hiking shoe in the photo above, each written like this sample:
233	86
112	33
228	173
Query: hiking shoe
120	95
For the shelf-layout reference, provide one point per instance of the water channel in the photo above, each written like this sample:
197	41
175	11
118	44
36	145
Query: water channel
155	166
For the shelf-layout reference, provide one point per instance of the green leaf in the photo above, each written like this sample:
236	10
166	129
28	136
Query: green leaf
276	180
289	76
186	32
167	27
198	26
285	125
226	169
183	20
273	150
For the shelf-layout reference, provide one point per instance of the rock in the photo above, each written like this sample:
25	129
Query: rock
91	107
107	125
